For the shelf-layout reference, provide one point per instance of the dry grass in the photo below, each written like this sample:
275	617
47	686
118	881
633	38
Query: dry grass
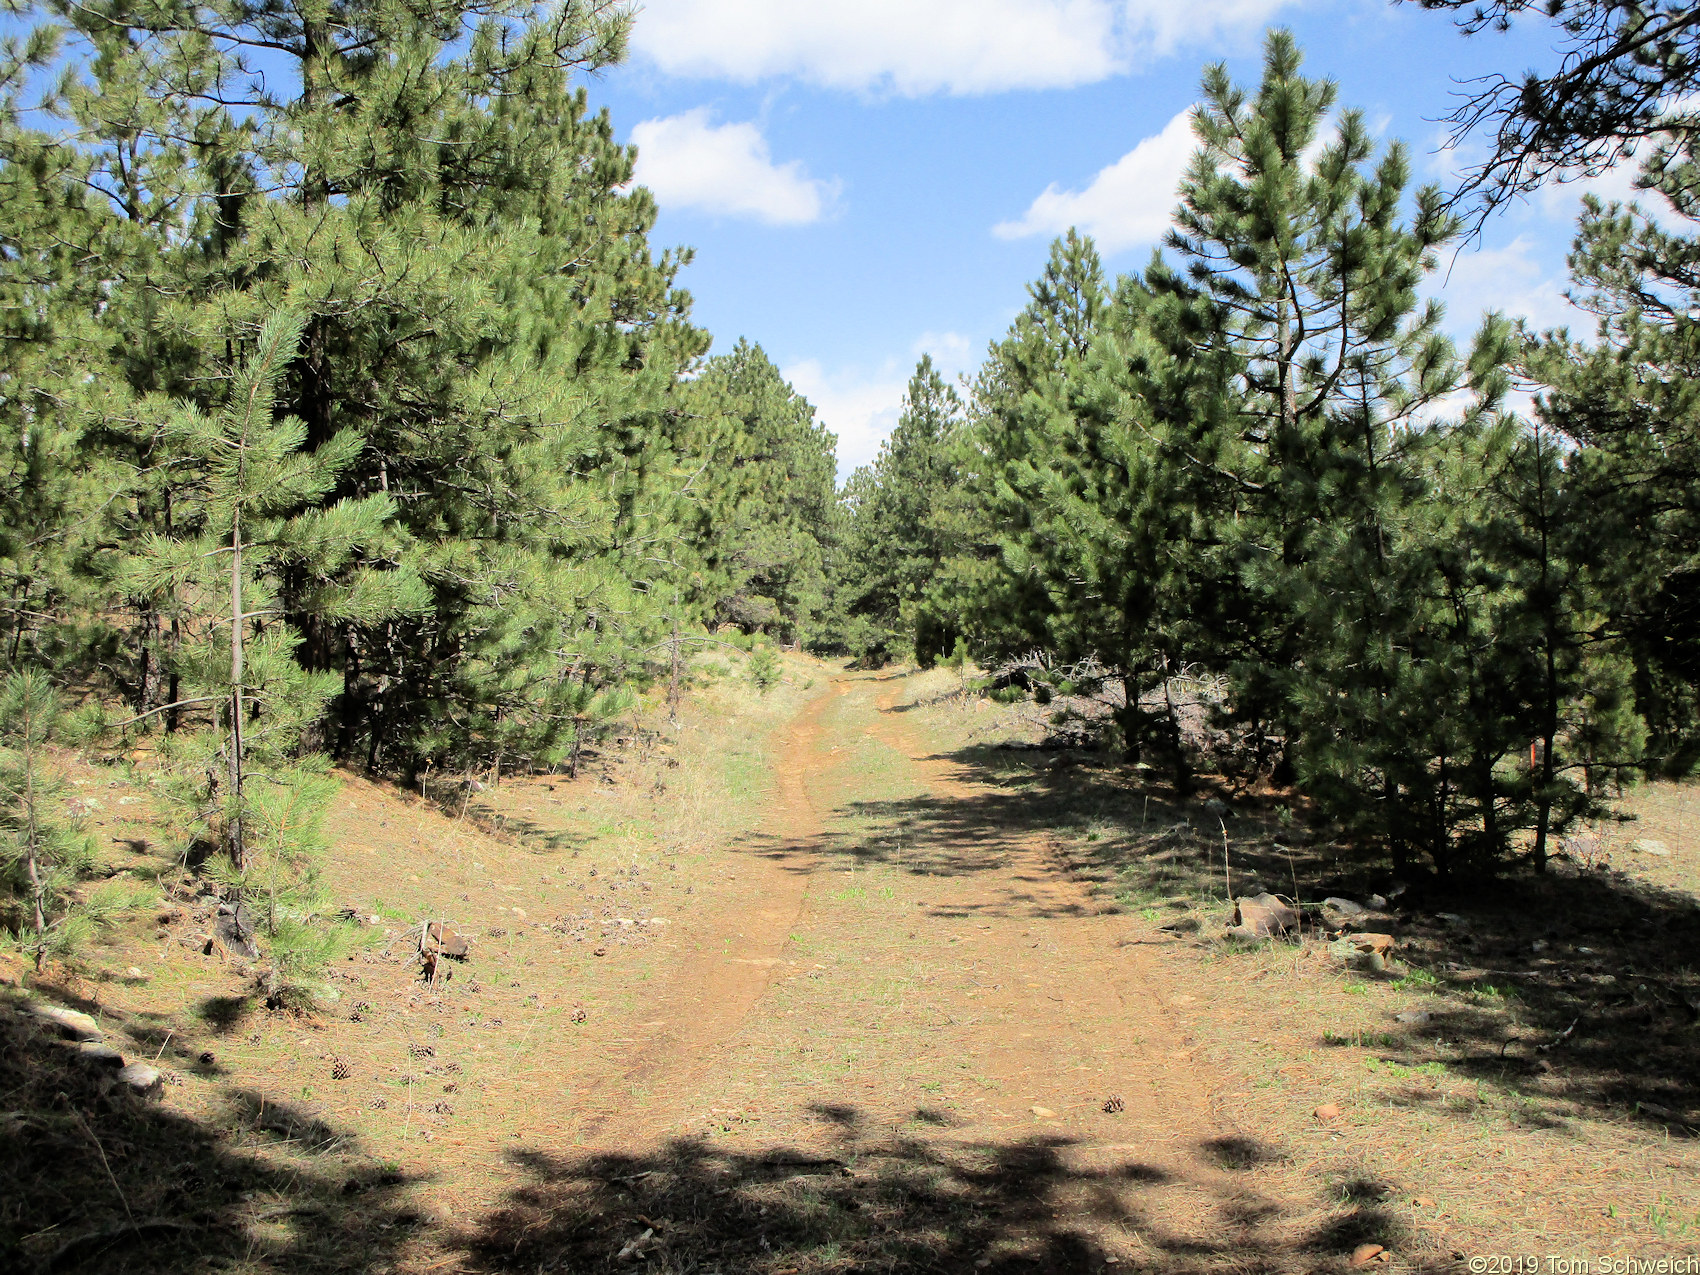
570	893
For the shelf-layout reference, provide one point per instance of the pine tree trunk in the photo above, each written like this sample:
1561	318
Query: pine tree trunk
145	672
1487	798
173	681
20	601
235	830
1549	723
315	405
1396	844
1131	716
673	671
1549	731
1289	391
1176	745
1440	849
32	841
348	713
578	743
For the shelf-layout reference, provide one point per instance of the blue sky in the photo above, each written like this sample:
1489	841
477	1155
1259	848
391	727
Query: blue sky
866	180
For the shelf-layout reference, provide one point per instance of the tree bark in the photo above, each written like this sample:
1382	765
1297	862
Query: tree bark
32	839
1549	716
237	854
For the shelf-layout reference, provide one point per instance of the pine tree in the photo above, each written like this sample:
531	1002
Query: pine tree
51	230
1296	267
1629	402
46	859
1020	411
894	549
1092	542
1577	683
482	312
251	515
758	478
1627	72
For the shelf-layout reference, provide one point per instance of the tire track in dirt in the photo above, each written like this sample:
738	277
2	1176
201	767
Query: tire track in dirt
1085	994
736	952
1065	1010
1082	938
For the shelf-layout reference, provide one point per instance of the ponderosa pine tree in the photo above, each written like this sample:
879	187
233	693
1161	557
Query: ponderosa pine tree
1020	408
760	484
52	230
1629	403
894	546
1624	85
481	310
1627	72
1576	679
1292	260
1239	464
47	899
250	514
1411	621
1092	542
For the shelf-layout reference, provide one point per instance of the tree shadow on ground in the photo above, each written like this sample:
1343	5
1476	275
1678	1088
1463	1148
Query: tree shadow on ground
1086	815
1574	993
902	1204
96	1178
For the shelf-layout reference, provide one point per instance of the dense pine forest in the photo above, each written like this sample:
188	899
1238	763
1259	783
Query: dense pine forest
352	420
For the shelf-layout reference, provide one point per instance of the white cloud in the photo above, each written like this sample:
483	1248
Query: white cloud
952	352
861	404
1510	279
1127	204
861	408
1563	200
917	47
690	162
1166	25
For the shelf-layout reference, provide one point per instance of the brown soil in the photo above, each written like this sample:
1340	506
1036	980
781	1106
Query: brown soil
820	983
1027	994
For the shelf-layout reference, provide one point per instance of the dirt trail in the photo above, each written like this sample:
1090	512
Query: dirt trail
1057	1014
732	961
818	984
1093	1008
1079	962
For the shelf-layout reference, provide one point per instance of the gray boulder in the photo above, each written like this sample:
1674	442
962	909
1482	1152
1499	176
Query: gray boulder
73	1024
101	1055
140	1077
1345	907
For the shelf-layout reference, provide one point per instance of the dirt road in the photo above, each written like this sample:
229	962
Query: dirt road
828	979
898	985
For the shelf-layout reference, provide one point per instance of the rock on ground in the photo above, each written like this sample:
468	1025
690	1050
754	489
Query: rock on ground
72	1023
141	1077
